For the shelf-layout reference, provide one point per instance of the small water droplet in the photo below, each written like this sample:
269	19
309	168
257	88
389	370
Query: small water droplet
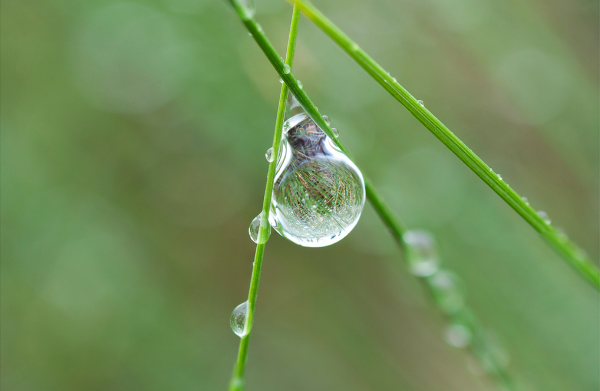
281	80
355	47
254	230
299	83
286	69
421	253
447	290
238	320
335	132
327	120
499	176
314	206
249	34
421	103
525	200
247	8
394	79
458	335
270	155
544	216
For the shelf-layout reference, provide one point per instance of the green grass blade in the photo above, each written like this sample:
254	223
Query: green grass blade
569	250
237	383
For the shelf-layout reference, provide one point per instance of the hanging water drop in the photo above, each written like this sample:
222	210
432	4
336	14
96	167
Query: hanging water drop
270	155
421	253
325	191
286	69
327	120
239	318
254	230
421	103
335	132
447	290
544	216
247	8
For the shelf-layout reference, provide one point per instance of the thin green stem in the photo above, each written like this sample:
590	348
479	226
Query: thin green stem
237	378
568	249
393	223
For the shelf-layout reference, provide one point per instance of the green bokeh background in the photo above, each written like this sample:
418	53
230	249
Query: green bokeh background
133	138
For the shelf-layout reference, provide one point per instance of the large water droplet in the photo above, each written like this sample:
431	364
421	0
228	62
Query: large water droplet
544	216
447	290
458	335
270	155
254	230
239	318
247	8
286	69
318	194
421	253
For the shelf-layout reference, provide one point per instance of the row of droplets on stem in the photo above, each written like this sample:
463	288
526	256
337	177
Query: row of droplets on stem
448	292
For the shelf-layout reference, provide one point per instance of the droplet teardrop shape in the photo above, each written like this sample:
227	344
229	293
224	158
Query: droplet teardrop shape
254	230
319	193
239	319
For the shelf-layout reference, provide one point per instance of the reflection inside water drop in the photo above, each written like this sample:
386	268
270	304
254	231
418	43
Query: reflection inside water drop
239	318
319	193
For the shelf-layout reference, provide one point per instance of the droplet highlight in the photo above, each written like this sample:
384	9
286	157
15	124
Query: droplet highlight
421	253
239	319
544	216
447	290
248	8
254	230
458	335
270	155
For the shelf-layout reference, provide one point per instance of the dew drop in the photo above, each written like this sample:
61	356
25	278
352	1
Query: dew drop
458	335
299	83
281	80
335	132
286	69
544	216
270	155
525	200
327	120
249	34
254	230
319	193
239	318
447	290
499	176
394	79
421	253
247	8
421	103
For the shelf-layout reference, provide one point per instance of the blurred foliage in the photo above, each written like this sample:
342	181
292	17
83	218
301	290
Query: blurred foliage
133	138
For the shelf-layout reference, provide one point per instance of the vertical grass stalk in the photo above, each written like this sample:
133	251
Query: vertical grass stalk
478	347
237	378
561	243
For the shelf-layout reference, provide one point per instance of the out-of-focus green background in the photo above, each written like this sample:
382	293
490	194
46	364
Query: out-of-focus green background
133	140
